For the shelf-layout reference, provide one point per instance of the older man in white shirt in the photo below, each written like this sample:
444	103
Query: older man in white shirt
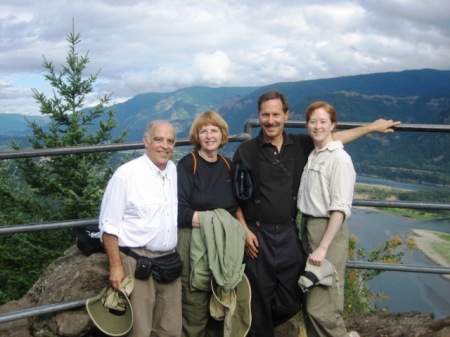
139	214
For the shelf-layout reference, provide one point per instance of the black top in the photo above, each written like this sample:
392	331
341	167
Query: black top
276	171
210	188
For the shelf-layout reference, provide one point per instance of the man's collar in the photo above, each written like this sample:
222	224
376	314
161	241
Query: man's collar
262	142
165	173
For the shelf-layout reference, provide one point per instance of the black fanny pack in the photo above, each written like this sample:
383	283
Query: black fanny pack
164	269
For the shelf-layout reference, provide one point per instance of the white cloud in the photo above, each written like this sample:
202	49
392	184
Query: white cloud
215	68
143	46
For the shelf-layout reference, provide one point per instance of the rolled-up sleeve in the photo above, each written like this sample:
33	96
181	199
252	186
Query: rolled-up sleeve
113	206
341	186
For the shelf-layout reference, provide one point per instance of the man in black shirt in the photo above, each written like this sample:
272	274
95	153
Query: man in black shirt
275	259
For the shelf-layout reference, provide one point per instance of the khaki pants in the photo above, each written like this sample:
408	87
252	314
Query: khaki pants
197	321
156	306
324	306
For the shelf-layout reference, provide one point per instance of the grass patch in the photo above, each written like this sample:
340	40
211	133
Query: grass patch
443	249
444	236
416	213
372	192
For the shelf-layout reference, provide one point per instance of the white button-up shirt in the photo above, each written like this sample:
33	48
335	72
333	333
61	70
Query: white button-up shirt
140	205
327	183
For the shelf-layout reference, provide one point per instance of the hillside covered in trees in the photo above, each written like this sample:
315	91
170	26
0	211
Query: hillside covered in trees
412	97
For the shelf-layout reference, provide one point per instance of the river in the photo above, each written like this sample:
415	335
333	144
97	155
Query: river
406	291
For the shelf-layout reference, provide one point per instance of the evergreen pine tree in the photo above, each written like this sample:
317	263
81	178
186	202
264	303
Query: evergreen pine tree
62	187
70	186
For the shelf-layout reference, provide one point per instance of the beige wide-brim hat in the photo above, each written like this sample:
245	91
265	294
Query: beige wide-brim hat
111	309
317	275
233	307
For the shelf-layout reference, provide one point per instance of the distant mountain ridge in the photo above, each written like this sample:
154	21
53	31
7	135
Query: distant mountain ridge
237	104
17	124
412	85
411	96
180	107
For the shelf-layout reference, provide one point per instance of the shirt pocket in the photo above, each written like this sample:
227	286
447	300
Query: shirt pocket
139	209
317	177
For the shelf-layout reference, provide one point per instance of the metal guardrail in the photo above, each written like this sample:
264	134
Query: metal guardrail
68	150
42	310
47	226
401	204
249	125
397	267
94	221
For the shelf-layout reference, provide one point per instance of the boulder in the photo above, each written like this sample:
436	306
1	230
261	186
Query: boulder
73	276
409	324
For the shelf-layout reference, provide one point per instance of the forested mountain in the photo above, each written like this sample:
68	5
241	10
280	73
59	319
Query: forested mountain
413	96
16	124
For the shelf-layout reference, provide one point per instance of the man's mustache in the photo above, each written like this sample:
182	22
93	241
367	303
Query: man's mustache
269	125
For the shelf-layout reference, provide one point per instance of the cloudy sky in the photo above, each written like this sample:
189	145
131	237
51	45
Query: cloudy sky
162	45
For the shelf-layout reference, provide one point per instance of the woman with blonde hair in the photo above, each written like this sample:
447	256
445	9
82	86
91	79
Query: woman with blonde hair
204	184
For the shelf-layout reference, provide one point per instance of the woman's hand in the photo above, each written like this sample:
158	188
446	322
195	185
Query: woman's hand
334	224
251	244
317	256
195	220
384	125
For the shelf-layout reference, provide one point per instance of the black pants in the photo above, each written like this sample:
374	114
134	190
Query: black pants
273	276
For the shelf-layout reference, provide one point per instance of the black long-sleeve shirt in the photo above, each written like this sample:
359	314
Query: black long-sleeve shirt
208	189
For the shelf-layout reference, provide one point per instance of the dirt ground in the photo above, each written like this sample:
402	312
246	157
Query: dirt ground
411	324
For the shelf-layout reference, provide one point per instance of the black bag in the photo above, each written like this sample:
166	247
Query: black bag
88	244
143	268
167	268
242	182
164	269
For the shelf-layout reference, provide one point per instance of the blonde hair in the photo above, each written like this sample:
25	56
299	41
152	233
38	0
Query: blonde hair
208	118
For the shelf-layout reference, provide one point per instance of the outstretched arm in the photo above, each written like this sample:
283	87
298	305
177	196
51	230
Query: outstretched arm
380	125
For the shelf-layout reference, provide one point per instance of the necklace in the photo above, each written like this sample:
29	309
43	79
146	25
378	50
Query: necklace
210	159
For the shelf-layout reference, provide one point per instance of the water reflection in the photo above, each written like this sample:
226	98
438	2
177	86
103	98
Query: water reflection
407	291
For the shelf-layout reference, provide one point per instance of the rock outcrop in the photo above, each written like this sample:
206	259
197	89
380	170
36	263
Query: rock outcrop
71	277
75	276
